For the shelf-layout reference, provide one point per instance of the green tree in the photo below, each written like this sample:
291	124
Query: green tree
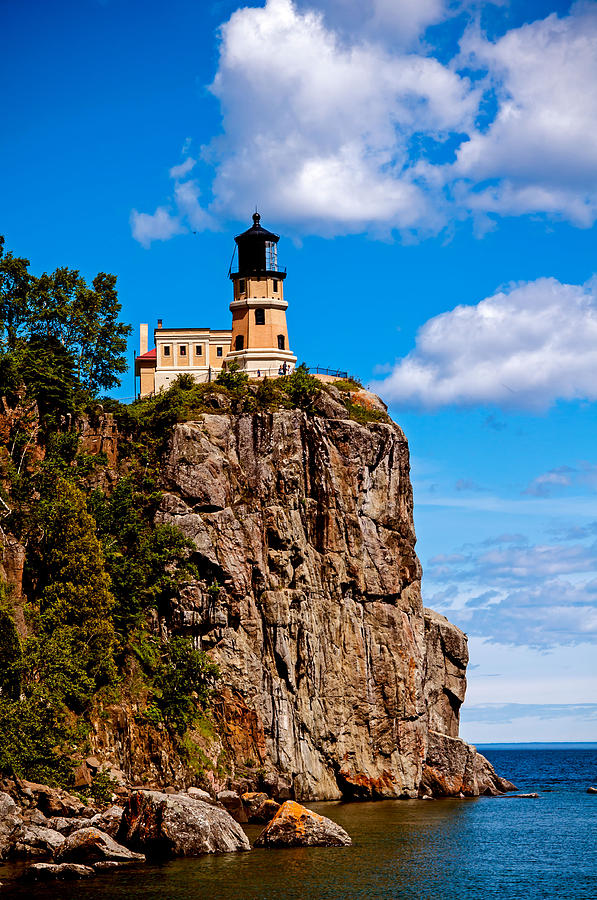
31	732
48	370
15	284
185	679
147	563
74	588
10	651
61	307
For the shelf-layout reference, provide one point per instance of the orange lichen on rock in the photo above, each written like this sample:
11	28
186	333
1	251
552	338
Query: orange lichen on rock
296	826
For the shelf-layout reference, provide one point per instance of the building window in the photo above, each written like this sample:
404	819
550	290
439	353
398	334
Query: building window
239	342
281	342
182	350
241	286
260	317
166	351
275	285
219	351
199	350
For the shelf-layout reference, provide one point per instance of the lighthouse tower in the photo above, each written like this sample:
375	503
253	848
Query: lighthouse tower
259	341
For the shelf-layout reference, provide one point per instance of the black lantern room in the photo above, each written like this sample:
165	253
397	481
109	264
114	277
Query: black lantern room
257	252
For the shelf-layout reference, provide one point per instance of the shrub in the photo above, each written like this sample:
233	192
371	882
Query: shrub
268	395
185	679
233	378
364	414
32	730
102	786
348	384
10	652
300	387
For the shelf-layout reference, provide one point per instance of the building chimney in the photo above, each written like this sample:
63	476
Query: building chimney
159	323
143	339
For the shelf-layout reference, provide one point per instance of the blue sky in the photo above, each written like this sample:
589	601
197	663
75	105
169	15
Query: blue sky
432	169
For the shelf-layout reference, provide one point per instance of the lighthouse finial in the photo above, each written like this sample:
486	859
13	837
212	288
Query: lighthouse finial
256	218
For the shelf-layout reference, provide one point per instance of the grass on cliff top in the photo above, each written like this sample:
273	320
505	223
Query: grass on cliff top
352	383
153	417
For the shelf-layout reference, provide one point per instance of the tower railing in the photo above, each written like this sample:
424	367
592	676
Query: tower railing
321	370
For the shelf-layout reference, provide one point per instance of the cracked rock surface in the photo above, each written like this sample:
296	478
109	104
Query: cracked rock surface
335	679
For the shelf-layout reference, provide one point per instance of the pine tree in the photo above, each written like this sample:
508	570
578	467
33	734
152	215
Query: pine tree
75	598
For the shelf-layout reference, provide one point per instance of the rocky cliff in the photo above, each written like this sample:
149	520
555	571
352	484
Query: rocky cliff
336	681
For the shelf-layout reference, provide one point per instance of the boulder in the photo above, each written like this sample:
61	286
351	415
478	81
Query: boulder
53	801
253	801
232	802
11	824
325	404
592	790
164	825
108	821
532	796
199	794
54	871
296	826
259	807
36	841
90	845
82	776
66	825
104	864
368	400
268	811
36	817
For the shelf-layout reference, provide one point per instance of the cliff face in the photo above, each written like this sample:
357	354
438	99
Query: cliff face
337	683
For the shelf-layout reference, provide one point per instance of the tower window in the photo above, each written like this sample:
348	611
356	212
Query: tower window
260	317
281	342
239	342
219	351
275	285
166	351
241	286
199	350
182	350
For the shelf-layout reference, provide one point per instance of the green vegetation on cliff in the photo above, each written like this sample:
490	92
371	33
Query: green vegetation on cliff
81	629
96	565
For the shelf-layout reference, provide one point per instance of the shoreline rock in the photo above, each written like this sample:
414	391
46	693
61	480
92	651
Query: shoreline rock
90	845
168	825
56	871
531	796
296	826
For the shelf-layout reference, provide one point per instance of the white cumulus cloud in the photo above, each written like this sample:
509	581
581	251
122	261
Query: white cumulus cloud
341	117
159	226
317	130
522	348
539	154
183	169
399	22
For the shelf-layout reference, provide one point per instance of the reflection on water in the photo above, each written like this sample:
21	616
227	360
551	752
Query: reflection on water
465	849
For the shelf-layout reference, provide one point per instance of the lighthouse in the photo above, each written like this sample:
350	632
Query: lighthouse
259	341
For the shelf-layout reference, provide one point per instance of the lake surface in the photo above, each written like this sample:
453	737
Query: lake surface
420	850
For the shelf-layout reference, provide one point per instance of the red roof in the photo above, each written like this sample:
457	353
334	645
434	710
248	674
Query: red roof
151	354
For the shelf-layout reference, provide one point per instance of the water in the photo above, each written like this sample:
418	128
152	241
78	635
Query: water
453	849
